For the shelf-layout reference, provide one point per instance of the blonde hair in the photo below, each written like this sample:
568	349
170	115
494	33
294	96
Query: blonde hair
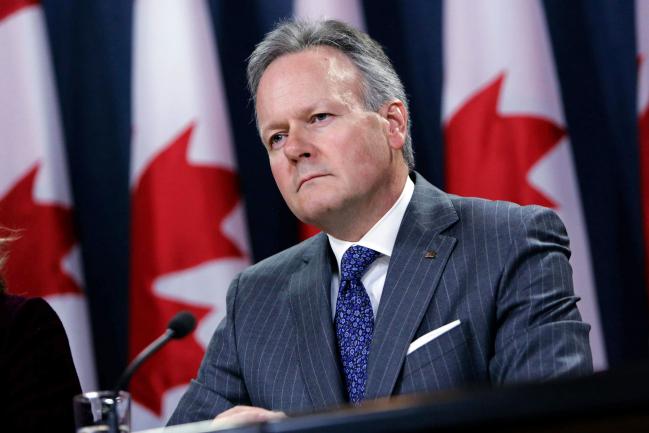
6	236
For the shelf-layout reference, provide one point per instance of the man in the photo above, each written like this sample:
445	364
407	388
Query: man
407	289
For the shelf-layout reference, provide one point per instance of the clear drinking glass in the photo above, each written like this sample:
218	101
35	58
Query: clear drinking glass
102	411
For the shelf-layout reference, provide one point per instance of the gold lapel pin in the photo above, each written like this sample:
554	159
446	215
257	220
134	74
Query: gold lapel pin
430	254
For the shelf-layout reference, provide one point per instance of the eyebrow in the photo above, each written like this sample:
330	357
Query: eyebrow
302	112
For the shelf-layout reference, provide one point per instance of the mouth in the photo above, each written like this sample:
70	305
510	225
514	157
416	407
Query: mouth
309	178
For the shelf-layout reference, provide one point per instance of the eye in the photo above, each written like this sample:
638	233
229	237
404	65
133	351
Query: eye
276	140
319	117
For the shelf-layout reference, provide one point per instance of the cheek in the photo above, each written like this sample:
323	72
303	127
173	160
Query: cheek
370	141
369	153
280	174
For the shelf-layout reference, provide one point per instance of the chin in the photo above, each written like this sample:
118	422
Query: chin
314	213
317	206
308	217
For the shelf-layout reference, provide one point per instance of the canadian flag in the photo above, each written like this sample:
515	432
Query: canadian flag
504	128
188	236
348	11
35	198
642	28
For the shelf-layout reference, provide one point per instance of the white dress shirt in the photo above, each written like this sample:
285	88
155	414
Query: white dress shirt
380	238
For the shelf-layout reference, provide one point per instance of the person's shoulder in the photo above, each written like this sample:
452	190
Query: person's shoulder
482	211
477	207
30	326
15	308
19	312
496	217
35	357
10	306
474	217
290	258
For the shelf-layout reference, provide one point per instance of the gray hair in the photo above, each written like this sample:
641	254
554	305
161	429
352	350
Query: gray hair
380	81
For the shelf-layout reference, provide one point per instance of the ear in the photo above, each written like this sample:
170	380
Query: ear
397	116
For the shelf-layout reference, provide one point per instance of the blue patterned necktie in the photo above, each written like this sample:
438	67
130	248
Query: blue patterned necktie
354	319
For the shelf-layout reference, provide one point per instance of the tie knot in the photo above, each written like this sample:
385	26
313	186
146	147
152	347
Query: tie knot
355	262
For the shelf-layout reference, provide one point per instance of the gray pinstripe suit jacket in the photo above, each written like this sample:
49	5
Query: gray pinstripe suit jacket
500	268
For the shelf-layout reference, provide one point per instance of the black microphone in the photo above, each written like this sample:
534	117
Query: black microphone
179	326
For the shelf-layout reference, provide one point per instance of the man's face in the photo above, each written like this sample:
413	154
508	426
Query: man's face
331	158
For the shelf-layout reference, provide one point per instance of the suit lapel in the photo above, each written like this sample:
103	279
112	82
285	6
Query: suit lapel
309	293
419	256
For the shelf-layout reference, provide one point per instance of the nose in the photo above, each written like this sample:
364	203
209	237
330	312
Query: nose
298	145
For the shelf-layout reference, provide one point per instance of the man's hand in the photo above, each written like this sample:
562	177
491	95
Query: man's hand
245	415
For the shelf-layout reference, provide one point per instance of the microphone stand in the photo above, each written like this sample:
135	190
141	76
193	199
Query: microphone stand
180	326
153	347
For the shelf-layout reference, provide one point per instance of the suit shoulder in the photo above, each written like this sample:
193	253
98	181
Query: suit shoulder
492	213
290	258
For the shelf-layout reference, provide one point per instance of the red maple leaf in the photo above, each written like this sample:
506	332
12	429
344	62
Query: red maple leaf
45	236
8	7
490	156
177	212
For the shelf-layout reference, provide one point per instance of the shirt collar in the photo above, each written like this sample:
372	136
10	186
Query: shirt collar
383	234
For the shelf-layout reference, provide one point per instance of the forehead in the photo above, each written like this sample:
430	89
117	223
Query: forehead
315	73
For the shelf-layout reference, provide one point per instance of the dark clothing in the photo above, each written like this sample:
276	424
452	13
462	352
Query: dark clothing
37	374
499	269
